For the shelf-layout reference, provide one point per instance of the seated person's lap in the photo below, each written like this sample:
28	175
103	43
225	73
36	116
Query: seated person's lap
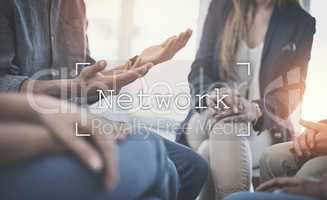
142	167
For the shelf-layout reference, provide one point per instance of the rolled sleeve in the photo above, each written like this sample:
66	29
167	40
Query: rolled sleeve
11	83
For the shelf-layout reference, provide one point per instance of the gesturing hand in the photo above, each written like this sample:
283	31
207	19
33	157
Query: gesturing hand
98	151
294	185
95	77
304	144
313	142
161	53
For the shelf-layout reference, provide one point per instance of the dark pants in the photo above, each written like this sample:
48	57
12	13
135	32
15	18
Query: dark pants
192	169
144	173
265	196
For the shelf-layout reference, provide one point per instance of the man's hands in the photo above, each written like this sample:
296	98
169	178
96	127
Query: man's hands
313	142
95	77
98	151
298	186
161	53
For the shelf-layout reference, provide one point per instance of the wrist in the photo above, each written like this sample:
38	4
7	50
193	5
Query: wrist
23	86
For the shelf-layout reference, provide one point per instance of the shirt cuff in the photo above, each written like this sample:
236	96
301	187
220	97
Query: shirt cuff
11	83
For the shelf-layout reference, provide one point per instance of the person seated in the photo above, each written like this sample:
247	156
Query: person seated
41	156
306	156
240	83
40	38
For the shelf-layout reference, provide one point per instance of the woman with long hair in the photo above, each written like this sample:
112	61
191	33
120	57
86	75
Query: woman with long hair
253	54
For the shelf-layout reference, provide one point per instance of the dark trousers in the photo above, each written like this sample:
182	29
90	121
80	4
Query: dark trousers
192	169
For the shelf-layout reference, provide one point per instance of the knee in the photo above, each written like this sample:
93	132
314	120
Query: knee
271	162
63	173
315	167
240	196
267	159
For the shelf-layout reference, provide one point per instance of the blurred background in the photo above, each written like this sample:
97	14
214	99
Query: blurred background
120	29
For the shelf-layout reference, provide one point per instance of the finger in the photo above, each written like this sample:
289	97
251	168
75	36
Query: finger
312	125
237	119
80	147
277	183
171	47
297	148
166	42
239	104
107	145
109	151
188	35
137	63
232	99
304	145
182	40
142	71
311	138
223	114
212	99
179	42
91	71
292	190
129	76
232	103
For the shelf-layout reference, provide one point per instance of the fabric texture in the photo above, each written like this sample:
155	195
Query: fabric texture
279	161
144	172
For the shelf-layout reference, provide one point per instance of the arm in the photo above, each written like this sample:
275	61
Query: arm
18	109
19	141
100	154
309	187
8	80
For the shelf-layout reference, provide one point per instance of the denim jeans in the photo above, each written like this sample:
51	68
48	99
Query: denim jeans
191	167
145	172
265	196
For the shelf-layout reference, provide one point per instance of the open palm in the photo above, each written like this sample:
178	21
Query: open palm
161	53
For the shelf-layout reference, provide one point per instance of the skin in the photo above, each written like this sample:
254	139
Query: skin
96	77
298	186
312	143
55	132
31	139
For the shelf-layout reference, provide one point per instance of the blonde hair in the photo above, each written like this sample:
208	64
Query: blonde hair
239	19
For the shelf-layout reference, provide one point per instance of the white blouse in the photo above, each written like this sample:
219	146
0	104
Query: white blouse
253	56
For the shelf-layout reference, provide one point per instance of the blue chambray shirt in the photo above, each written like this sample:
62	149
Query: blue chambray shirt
36	35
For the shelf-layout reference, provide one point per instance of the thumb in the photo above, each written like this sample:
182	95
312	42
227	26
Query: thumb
91	71
141	71
312	125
